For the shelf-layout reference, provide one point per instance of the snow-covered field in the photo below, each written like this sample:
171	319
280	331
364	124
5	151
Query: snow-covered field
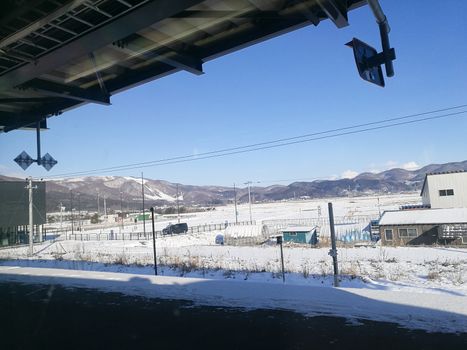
426	269
412	280
310	209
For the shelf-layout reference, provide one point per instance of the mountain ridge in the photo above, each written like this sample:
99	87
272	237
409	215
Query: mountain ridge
126	192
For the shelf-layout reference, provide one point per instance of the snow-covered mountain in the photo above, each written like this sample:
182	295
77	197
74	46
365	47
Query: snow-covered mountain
127	191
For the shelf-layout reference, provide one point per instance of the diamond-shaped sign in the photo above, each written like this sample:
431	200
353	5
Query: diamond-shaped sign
48	162
363	53
24	160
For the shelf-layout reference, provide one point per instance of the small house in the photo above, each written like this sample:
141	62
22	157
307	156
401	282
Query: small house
300	234
424	227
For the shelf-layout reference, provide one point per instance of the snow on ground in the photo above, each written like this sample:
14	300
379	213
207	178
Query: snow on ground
418	287
411	310
361	206
424	269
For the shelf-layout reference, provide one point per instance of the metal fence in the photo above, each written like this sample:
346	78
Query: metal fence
348	228
109	236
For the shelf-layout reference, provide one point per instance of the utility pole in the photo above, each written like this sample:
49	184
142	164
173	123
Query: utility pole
121	207
333	251
319	215
154	242
31	220
279	241
379	208
178	208
61	216
249	199
142	194
71	210
79	212
98	207
236	212
105	207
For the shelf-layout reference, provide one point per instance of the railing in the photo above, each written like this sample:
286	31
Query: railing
349	229
109	236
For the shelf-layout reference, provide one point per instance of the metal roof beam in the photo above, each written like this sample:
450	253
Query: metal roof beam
55	89
8	100
134	21
335	11
206	14
242	39
185	62
40	23
141	76
175	59
98	10
12	121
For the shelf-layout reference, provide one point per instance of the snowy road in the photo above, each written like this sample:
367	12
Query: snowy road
53	317
431	312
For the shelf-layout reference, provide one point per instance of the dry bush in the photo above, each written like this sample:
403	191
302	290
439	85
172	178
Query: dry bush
458	275
229	274
350	269
433	274
121	259
324	268
378	270
306	270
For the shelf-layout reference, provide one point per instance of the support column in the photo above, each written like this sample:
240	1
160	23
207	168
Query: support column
31	221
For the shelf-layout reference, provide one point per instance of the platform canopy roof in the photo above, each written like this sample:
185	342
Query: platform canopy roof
58	54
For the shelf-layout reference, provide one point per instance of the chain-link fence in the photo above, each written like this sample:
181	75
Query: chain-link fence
349	229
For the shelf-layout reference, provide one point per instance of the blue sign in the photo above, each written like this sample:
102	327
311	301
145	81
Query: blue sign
48	162
24	160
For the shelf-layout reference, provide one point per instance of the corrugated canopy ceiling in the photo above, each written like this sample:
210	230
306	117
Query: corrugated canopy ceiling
58	54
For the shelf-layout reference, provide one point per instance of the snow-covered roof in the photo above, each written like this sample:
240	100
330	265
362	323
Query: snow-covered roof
298	229
245	231
424	216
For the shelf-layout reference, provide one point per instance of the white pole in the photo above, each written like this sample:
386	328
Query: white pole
249	200
61	216
31	223
105	208
236	212
178	207
142	195
39	231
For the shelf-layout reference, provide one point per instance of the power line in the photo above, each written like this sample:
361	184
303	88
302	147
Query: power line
323	178
251	148
274	143
294	142
262	143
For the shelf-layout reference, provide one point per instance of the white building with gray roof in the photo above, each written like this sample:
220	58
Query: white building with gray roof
445	190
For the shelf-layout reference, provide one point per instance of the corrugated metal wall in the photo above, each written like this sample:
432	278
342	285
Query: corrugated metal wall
14	203
454	181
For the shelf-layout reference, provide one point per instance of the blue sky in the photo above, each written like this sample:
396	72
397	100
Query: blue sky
299	83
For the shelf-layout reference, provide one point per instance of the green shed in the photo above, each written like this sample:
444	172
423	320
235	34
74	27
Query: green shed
142	217
300	234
